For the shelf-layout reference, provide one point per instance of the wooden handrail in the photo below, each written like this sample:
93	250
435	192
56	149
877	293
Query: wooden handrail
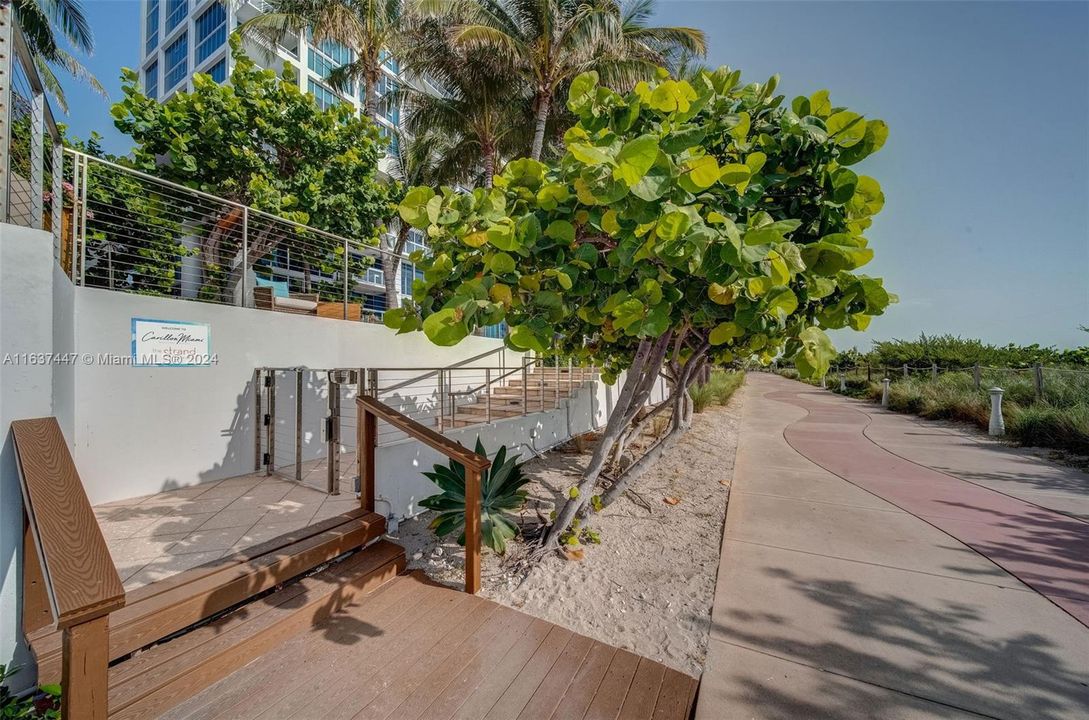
370	411
71	560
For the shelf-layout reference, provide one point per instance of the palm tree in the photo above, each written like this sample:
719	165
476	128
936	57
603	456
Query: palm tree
41	22
368	27
547	42
463	96
420	160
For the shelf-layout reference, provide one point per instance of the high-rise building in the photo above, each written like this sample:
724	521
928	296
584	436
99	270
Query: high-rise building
183	37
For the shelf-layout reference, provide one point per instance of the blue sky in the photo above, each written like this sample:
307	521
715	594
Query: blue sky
985	231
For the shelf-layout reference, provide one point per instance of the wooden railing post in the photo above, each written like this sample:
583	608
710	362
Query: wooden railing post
370	409
472	531
85	666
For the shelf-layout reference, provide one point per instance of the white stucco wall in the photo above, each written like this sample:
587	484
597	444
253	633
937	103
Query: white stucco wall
141	430
26	391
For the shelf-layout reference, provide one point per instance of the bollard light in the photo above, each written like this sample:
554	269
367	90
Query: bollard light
885	393
997	426
842	383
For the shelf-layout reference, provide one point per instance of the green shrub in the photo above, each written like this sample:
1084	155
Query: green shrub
41	705
1047	426
501	491
717	390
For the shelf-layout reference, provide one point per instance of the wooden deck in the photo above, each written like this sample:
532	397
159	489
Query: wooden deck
414	649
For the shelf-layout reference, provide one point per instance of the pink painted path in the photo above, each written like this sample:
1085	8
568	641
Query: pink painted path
1045	548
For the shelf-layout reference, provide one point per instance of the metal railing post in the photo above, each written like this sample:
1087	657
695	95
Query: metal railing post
57	206
525	386
73	250
346	278
298	423
7	76
332	480
83	225
258	385
442	402
37	159
245	254
488	394
270	426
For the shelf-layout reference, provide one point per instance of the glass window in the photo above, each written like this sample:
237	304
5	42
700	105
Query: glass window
375	302
211	32
177	62
151	80
175	13
326	57
409	272
151	25
326	98
219	71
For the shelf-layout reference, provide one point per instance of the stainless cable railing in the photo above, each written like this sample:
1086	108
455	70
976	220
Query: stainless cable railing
134	232
308	428
30	142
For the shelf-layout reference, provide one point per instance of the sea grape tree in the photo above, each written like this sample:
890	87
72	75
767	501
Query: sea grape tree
688	222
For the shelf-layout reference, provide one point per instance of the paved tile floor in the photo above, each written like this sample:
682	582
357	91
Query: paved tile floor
155	536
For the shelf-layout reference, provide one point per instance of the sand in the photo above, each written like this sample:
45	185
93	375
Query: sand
648	587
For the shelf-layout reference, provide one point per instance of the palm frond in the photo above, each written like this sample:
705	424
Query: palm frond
69	16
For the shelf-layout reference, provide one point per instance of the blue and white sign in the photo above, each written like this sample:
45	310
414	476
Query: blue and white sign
171	343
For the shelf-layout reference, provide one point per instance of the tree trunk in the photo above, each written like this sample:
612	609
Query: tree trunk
681	421
648	361
391	262
489	165
544	106
370	97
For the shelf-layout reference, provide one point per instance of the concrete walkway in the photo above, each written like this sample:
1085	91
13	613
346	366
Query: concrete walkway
863	577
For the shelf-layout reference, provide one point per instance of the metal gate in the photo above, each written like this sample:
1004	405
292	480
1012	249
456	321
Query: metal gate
306	428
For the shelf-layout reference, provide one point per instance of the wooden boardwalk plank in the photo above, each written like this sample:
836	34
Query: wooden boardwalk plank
492	667
580	693
675	697
497	635
348	680
237	691
515	664
643	694
406	677
415	650
547	696
517	695
614	687
328	651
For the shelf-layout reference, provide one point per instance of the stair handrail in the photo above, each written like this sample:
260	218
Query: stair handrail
370	410
492	381
432	372
68	575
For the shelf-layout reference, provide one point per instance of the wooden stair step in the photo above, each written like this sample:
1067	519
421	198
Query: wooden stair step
156	680
160	609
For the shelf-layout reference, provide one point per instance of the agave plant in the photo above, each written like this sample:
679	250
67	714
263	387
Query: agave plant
501	491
